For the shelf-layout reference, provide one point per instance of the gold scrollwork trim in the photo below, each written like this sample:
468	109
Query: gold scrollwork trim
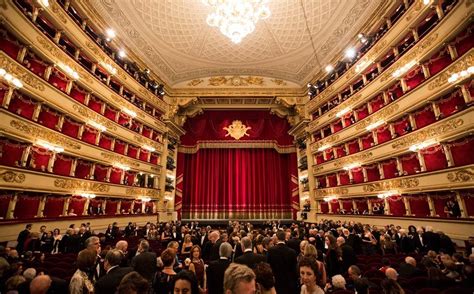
331	191
143	192
21	73
89	114
323	142
46	135
354	99
119	159
156	169
380	115
145	141
120	101
59	12
12	177
415	10
429	133
461	176
318	168
81	185
318	100
96	51
392	184
358	157
234	144
463	63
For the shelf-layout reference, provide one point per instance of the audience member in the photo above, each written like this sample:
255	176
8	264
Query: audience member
239	279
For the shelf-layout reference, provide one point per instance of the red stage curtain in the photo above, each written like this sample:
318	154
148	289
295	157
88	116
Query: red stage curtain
154	158
424	116
324	206
77	203
389	168
62	165
353	146
367	141
434	158
58	80
414	78
36	65
126	206
397	207
22	105
78	94
11	152
248	183
439	61
100	172
373	173
464	42
26	206
48	117
120	146
332	180
321	181
9	46
144	155
410	164
383	134
440	201
70	127
129	178
335	207
105	141
468	197
377	103
337	126
116	175
340	151
53	206
40	158
111	207
357	175
461	151
83	169
419	205
344	178
110	112
362	112
451	104
319	158
4	202
95	104
400	126
362	205
89	135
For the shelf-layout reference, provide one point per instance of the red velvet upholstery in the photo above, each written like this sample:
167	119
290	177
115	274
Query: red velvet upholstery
53	206
335	207
344	177
373	173
120	146
147	132
40	158
83	169
78	94
440	200
340	151
461	150
332	180
357	175
9	46
464	42
3	92
324	207
89	135
451	104
126	206
11	152
105	141
36	65
439	61
111	207
377	103
62	165
22	105
129	178
321	181
397	206
70	127
319	158
154	158
414	78
395	91
100	172
362	112
362	205
337	126
4	203
389	168
353	146
383	134
367	141
95	104
400	126
329	154
144	155
374	200
434	157
115	175
48	117
58	80
347	119
137	206
77	203
424	116
419	205
132	151
347	205
124	120
468	196
135	126
410	164
110	112
26	207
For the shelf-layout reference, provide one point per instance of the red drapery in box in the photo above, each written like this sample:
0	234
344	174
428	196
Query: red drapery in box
137	206
76	205
126	206
347	119
397	206
78	94
110	112
58	80
451	104
34	64
344	178
62	165
414	78
129	178
26	206
383	134
468	197
22	105
135	126
347	205
357	175
434	158
335	207
95	104
240	183
471	88
324	206
3	92
410	164
10	46
40	158
4	203
319	158
362	205
147	132
400	126
144	155
389	168
425	117
362	112
89	135
461	150
440	200
48	117
105	141
100	172
419	205
120	146
337	126
395	91
111	207
116	175
132	151
439	61
53	206
154	158
11	152
340	151
123	119
70	127
353	146
321	181
332	180
373	173
329	154
367	141
377	103
83	169
464	42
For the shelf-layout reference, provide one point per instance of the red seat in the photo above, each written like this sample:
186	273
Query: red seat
428	291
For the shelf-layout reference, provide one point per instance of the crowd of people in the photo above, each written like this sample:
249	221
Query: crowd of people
324	257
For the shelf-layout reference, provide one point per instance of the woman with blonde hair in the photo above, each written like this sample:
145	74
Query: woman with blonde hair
187	245
311	251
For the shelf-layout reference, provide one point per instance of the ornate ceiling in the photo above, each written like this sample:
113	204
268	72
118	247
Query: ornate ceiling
174	40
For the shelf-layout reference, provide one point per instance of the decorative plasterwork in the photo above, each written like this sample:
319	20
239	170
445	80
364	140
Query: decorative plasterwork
330	192
236	144
237	130
327	141
238	82
378	116
20	72
461	176
42	134
144	141
173	37
94	116
119	159
392	184
355	158
80	186
12	177
462	64
143	192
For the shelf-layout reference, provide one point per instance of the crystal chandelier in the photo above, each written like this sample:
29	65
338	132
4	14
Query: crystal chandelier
236	18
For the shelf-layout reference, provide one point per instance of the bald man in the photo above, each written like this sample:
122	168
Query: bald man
391	274
40	284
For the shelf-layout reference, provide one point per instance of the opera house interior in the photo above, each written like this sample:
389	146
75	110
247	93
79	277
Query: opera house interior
188	116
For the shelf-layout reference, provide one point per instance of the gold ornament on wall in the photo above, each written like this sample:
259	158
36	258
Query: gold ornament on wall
461	176
237	130
393	184
12	177
236	81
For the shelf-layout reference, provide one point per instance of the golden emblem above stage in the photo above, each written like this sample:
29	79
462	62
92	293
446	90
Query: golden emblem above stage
237	130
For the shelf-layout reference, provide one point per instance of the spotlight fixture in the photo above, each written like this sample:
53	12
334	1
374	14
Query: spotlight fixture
122	54
44	3
362	38
351	53
329	68
110	34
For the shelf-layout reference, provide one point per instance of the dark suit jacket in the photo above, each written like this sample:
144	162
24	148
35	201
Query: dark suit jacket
294	243
408	271
109	282
145	264
250	259
432	241
282	259
215	276
348	257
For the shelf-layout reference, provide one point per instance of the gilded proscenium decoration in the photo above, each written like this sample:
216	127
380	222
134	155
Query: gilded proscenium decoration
90	114
392	184
355	158
428	133
330	191
83	186
461	176
237	130
462	64
236	81
119	159
46	135
143	192
279	82
21	73
12	177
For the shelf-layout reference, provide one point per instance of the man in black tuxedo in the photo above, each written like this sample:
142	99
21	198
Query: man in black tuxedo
431	239
249	258
22	236
115	273
145	262
294	241
282	259
348	255
211	249
408	269
215	270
